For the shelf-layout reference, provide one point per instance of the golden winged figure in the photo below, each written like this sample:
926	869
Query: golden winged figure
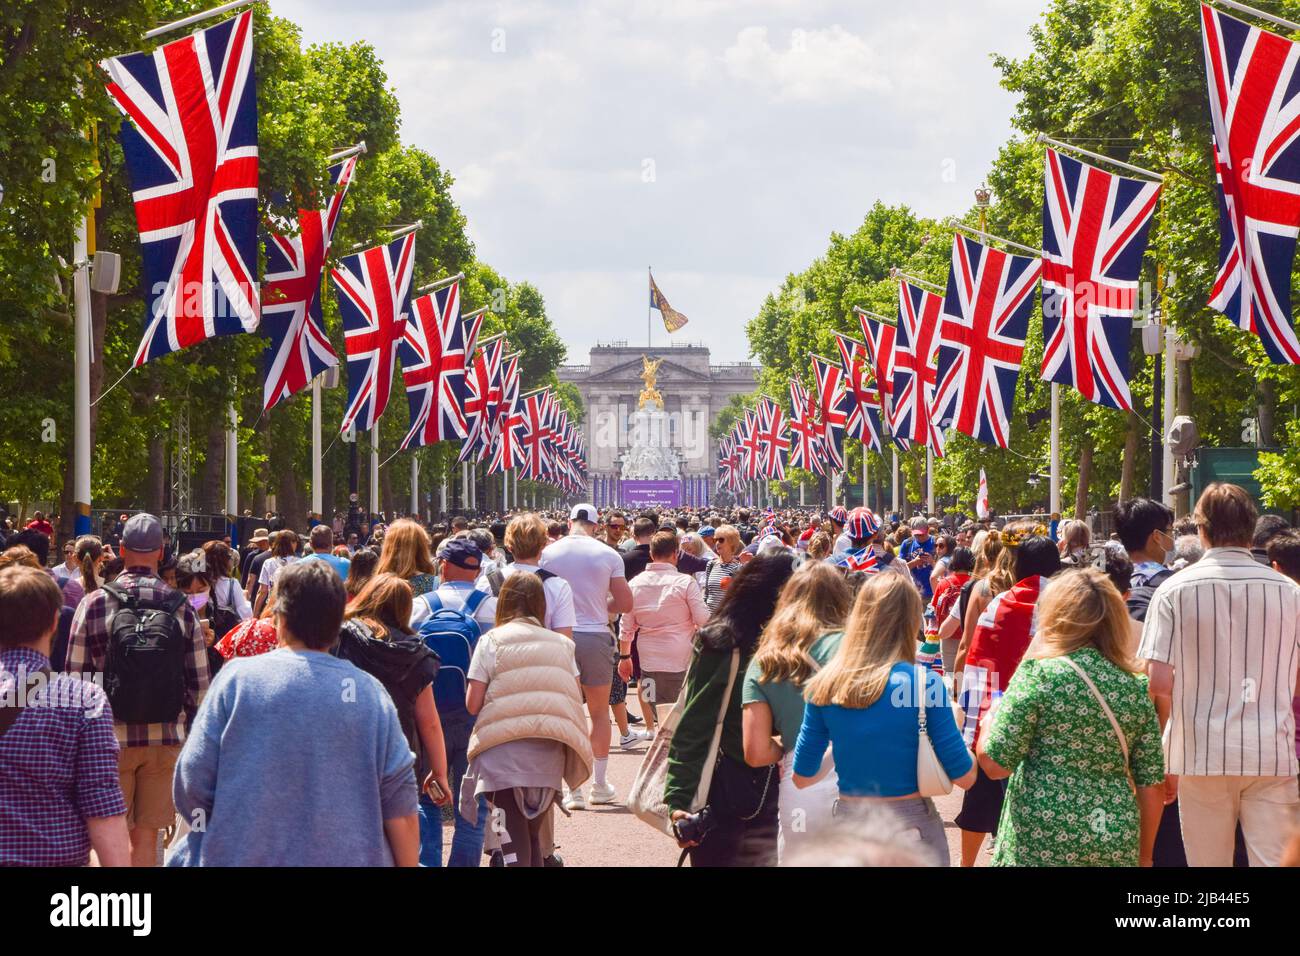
649	373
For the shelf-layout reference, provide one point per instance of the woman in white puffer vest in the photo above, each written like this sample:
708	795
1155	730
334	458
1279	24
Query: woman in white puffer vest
531	734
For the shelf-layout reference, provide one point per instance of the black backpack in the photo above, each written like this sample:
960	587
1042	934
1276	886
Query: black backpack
1139	598
405	667
224	616
144	668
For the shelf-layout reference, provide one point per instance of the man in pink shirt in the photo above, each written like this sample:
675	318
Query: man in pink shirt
667	607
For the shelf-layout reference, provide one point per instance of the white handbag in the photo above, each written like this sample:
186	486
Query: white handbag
646	798
931	779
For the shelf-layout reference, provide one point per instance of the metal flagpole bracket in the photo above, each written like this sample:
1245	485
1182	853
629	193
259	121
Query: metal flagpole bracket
394	233
1242	8
962	227
875	315
346	153
440	284
1070	148
476	313
195	18
897	273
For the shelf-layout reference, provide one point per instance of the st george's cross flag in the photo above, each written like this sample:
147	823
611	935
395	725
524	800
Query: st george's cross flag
191	150
1254	88
916	370
982	498
982	339
833	408
297	348
374	293
772	439
673	320
805	446
879	338
864	412
1095	227
432	352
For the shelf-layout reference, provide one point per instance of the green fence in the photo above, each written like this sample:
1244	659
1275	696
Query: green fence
1236	465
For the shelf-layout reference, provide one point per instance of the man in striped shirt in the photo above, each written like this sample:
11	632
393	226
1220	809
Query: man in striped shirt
1222	646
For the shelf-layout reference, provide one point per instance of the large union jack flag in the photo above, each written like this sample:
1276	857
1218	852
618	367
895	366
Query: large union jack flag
191	148
297	348
864	415
833	408
432	352
805	446
536	454
729	463
482	394
751	448
772	440
1255	111
507	451
374	292
982	339
916	343
879	339
1095	227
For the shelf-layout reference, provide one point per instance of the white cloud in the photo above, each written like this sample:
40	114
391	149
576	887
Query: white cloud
817	65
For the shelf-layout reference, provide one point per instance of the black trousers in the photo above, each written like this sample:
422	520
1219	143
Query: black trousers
743	801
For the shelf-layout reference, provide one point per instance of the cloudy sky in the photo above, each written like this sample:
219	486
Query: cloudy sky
719	141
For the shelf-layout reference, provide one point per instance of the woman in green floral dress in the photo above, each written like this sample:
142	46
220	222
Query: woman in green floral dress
1070	801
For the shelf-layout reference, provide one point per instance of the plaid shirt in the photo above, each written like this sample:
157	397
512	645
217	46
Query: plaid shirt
58	767
88	647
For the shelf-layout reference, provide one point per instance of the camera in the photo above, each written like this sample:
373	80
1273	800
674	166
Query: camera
694	827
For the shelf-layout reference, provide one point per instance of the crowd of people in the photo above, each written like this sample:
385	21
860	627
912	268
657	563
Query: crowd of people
810	681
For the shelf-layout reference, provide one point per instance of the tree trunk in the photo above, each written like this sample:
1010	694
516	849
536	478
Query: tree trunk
386	490
155	492
1266	396
212	485
1129	467
1085	479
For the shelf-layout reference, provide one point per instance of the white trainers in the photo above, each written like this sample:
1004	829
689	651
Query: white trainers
575	800
605	794
634	737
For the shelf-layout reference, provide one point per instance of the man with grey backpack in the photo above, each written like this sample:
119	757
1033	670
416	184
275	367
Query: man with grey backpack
146	641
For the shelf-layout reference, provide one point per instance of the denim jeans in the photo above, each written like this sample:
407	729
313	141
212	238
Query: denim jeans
467	838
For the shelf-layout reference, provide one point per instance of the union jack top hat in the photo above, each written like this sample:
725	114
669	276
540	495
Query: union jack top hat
862	524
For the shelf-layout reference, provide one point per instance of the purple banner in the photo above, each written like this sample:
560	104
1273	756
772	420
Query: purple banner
650	494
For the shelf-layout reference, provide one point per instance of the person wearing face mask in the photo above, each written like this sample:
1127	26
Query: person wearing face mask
193	578
1145	528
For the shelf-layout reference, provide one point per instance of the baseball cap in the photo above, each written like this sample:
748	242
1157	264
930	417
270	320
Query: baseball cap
461	552
143	533
585	512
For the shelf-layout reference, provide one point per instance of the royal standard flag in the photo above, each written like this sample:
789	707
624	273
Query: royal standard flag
673	320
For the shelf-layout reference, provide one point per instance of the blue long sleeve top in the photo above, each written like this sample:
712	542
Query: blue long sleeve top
875	747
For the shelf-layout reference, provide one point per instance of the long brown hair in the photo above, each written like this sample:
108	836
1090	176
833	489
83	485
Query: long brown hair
881	632
88	551
383	605
522	595
813	602
406	551
1082	608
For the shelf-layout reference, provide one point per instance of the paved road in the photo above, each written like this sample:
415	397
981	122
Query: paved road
611	836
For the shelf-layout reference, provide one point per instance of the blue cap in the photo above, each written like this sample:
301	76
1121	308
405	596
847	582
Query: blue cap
461	552
707	531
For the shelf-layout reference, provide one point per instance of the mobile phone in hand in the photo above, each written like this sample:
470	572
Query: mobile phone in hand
434	789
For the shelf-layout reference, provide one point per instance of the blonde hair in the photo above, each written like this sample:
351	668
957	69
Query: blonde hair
813	602
1075	534
526	536
819	546
1082	608
522	595
881	632
727	532
407	550
384	605
1002	575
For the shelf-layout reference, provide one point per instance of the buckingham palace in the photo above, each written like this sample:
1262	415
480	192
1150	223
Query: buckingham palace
690	389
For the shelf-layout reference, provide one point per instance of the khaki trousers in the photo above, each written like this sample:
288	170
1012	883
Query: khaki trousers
1210	807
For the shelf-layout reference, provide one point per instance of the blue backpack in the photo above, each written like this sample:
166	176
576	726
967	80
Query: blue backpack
452	635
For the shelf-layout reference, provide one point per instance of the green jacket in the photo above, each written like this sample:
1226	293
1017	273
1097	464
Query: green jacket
706	679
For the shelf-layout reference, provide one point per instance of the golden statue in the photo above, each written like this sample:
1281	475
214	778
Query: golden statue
649	371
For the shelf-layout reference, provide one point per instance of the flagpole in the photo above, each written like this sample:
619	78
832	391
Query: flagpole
415	485
929	480
232	473
864	472
187	21
980	233
316	491
1241	7
374	471
1071	148
81	381
899	274
1054	481
648	309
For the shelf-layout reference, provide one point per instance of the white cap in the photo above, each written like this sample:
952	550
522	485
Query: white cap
584	512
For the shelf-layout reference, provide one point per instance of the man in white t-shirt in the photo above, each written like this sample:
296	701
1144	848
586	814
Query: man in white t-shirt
525	539
461	560
595	575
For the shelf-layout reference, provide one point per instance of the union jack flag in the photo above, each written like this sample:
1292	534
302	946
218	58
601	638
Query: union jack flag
771	438
374	290
915	371
879	338
982	339
1255	110
483	392
1095	227
729	463
507	452
864	417
191	148
833	407
506	367
535	453
751	449
805	449
297	348
432	352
